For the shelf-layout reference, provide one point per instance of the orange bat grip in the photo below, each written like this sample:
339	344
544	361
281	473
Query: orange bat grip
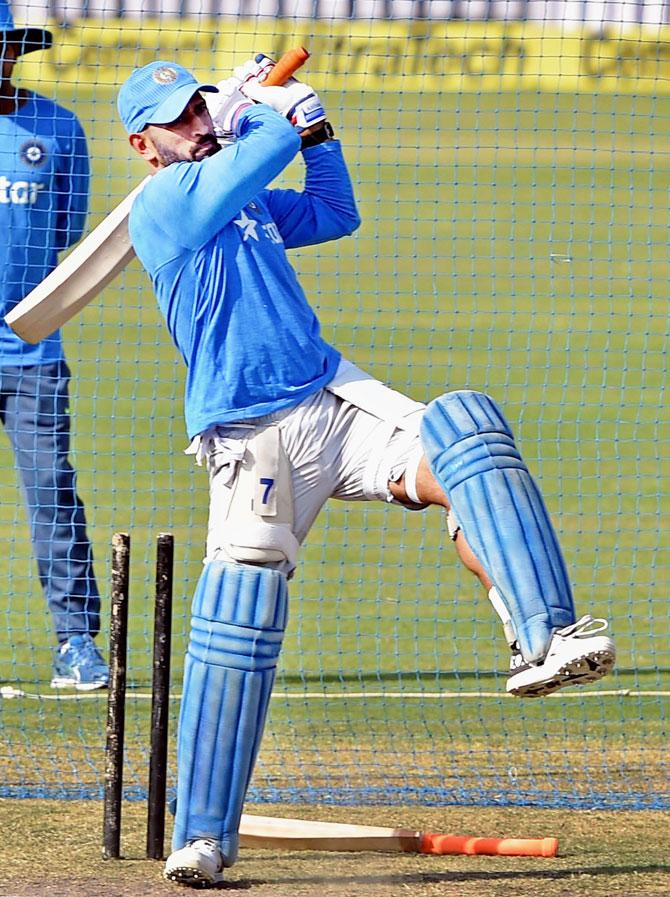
508	847
286	66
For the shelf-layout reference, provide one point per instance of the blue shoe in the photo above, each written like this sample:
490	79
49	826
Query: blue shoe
78	664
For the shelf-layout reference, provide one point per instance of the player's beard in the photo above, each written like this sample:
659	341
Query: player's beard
206	146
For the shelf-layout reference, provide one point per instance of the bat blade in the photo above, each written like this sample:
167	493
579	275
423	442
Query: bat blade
301	834
86	271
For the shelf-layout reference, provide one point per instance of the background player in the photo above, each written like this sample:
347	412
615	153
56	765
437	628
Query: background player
284	423
44	182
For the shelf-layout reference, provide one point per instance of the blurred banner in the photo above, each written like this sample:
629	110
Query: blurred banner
406	55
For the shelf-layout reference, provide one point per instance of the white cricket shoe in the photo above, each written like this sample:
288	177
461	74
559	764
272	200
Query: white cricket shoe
198	865
577	654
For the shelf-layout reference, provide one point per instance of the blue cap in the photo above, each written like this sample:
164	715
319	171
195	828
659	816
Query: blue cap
157	94
27	39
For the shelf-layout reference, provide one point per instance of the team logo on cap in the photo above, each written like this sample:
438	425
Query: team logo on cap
33	153
164	75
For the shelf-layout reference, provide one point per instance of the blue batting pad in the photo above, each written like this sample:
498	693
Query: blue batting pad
237	627
471	451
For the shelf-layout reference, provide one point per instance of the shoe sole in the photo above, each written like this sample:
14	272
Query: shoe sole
191	878
590	667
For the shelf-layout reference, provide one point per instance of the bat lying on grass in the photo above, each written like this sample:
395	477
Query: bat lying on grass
300	834
100	256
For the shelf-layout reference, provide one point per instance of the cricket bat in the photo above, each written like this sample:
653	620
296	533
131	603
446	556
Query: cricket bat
100	256
85	272
275	833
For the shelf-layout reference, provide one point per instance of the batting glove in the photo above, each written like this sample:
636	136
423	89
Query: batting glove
225	107
294	99
256	69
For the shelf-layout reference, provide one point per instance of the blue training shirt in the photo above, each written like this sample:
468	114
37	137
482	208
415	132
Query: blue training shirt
44	186
214	241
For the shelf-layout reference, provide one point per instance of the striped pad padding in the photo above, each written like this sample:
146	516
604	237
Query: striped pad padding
237	627
471	451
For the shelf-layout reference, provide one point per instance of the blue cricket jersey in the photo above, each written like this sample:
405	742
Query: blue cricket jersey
213	240
44	186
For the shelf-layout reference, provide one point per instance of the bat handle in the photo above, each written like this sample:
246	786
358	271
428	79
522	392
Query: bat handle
463	844
285	66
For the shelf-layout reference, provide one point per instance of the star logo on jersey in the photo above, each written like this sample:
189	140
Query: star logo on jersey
248	225
33	153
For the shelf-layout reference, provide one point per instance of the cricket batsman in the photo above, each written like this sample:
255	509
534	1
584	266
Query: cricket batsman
284	423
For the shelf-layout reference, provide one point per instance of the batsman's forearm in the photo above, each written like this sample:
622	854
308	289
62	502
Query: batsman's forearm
326	209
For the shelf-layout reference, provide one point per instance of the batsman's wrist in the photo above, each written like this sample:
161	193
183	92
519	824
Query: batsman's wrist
320	134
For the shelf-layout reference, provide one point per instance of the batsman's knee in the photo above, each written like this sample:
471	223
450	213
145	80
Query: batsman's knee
231	602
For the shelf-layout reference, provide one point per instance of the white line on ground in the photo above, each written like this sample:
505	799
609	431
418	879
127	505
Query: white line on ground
10	692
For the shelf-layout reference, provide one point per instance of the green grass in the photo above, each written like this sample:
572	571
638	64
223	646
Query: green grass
515	243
